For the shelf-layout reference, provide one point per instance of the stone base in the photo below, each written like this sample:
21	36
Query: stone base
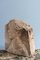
9	56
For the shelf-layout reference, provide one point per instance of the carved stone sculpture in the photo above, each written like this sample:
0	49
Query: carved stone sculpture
19	38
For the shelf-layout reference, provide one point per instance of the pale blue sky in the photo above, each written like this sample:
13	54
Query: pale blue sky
27	10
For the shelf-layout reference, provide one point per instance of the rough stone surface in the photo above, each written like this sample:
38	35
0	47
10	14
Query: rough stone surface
19	38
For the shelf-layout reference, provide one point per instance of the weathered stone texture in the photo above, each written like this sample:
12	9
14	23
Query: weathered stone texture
19	38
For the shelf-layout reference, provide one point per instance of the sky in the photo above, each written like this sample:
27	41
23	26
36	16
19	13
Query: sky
26	10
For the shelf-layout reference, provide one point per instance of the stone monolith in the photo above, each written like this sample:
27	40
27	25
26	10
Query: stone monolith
19	38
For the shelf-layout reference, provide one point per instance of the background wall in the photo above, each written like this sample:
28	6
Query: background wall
27	10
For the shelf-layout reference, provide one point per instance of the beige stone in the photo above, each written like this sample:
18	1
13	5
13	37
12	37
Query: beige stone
19	38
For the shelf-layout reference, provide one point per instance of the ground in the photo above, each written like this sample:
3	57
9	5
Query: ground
4	55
